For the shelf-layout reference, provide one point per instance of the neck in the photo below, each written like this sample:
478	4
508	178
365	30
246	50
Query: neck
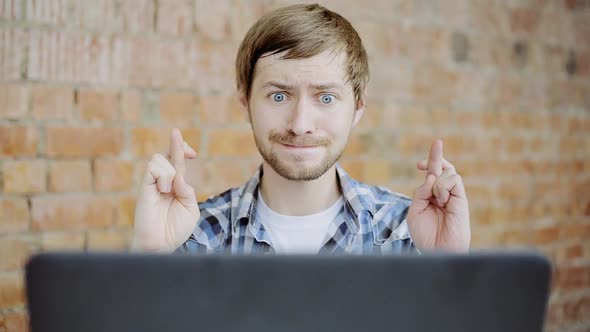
299	198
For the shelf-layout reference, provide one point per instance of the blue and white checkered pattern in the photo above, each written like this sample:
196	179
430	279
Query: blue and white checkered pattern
372	221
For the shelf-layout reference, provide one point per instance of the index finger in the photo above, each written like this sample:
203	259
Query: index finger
435	158
177	151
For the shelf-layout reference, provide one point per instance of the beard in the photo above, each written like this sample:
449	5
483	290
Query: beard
299	173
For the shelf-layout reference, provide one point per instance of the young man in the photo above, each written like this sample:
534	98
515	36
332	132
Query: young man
301	74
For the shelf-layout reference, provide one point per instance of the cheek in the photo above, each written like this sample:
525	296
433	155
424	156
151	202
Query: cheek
264	120
335	127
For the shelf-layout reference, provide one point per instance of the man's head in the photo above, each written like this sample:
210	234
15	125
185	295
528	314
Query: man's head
302	73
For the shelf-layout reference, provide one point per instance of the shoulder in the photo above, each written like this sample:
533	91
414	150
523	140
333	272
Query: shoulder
388	212
378	198
214	223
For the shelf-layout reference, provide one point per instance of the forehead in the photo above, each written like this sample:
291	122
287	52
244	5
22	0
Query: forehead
326	66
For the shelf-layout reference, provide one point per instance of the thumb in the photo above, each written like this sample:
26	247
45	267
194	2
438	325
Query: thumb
184	192
423	194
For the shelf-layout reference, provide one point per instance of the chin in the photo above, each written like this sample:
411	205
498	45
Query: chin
300	171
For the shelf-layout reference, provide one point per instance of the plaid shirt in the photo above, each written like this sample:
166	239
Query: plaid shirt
371	221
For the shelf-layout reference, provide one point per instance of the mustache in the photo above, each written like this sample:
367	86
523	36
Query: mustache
292	139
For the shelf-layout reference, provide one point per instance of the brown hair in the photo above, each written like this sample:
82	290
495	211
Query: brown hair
303	31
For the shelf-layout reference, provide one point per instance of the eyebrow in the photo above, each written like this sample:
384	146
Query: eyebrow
283	86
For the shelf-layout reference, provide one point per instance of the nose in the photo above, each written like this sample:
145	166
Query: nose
301	121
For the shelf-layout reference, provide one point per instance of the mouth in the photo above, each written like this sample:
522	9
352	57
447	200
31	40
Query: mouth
299	146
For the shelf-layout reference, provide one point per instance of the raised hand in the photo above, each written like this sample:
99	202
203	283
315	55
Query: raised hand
439	215
166	210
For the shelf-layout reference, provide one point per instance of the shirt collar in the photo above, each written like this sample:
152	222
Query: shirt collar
351	190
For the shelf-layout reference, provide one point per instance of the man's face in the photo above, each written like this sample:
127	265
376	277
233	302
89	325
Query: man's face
302	112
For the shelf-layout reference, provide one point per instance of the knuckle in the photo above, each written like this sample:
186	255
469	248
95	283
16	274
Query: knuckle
152	166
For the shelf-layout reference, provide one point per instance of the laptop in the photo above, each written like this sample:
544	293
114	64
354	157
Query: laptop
153	292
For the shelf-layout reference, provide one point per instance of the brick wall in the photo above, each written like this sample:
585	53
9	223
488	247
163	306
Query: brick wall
90	89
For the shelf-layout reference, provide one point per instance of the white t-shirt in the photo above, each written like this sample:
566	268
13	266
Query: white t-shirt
297	234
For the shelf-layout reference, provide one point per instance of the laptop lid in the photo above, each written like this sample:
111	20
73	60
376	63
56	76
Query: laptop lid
146	292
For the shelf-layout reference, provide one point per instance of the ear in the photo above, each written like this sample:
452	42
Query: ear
243	101
360	110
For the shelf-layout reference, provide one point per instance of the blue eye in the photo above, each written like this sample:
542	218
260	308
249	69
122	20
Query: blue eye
327	99
278	97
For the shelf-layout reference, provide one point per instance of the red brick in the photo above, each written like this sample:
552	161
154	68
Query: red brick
13	98
83	142
212	19
427	43
555	26
546	235
14	213
576	4
218	176
137	15
582	63
98	105
178	108
242	14
484	239
508	91
515	237
14	322
70	175
12	52
215	73
94	15
14	252
24	177
572	278
553	316
414	117
18	141
512	191
492	53
416	145
12	289
581	28
456	145
392	115
125	212
574	251
575	231
175	17
113	175
60	55
147	141
63	241
225	142
11	10
524	21
52	102
61	213
577	310
515	145
108	240
131	106
146	62
218	109
378	172
52	12
354	147
478	193
381	39
354	168
434	84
